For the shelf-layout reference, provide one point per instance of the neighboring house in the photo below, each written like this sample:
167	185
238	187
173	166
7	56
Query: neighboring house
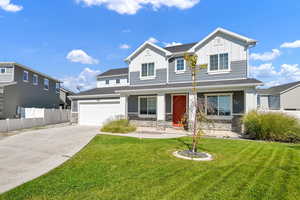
65	102
113	78
281	97
21	86
159	90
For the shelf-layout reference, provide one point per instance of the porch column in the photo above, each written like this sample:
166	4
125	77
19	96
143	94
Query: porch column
192	107
124	105
250	100
161	107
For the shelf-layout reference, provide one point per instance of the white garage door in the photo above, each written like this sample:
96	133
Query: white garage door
97	113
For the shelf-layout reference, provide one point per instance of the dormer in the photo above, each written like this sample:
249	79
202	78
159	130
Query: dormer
113	78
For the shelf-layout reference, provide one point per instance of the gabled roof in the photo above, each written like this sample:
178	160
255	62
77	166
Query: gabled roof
276	90
144	44
115	72
221	30
180	48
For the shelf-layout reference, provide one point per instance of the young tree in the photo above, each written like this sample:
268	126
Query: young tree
200	115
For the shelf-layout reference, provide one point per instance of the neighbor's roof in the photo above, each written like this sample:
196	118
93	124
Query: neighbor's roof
115	72
115	91
180	48
30	69
278	89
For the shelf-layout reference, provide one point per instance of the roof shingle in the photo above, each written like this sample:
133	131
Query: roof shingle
113	72
180	48
278	89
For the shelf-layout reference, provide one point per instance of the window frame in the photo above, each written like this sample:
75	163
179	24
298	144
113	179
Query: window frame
5	71
27	75
118	81
148	76
107	82
218	116
218	70
184	66
139	109
46	80
37	79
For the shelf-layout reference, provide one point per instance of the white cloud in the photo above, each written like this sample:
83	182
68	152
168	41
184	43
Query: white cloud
268	73
295	44
124	46
79	56
85	80
152	40
131	7
172	44
10	7
126	31
267	56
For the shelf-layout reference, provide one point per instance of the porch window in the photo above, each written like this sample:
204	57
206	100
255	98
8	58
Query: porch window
147	106
219	62
219	105
180	65
148	70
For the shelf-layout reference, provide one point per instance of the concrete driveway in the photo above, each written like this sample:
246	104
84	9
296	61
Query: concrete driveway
31	154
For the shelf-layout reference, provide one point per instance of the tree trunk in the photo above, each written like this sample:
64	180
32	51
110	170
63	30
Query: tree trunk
194	149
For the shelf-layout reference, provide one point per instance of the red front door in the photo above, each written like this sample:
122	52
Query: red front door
179	109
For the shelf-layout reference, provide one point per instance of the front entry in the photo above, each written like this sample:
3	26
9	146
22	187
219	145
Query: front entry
179	109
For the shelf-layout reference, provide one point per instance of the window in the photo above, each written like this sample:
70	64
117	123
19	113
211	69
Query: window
2	70
147	106
219	62
148	70
25	76
118	81
218	105
57	87
107	82
35	79
180	65
46	84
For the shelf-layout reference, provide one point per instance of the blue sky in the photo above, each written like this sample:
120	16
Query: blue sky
75	39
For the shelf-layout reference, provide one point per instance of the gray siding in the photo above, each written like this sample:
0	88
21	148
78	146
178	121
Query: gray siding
168	103
161	77
7	77
274	102
238	70
133	104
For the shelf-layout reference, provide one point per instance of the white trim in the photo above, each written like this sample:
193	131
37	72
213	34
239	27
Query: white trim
218	95
37	79
147	77
249	41
128	59
293	87
148	115
184	66
92	96
27	75
219	71
99	76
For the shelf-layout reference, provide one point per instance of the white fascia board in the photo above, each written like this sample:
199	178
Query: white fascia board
93	96
295	86
189	88
227	32
144	44
7	84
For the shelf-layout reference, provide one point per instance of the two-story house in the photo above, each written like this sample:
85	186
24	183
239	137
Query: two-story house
21	86
159	89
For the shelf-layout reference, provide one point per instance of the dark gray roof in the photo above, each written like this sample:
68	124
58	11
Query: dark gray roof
112	90
113	72
278	89
180	48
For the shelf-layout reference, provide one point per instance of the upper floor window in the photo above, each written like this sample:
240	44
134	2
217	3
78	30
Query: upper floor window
57	87
118	81
180	65
35	79
219	62
107	82
46	84
148	70
25	75
2	70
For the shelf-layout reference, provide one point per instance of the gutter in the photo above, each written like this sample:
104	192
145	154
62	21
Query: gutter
92	96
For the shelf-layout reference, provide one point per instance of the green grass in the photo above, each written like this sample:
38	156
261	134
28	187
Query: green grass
118	126
113	167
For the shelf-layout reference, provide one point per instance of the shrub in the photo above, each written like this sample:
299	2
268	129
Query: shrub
272	126
118	126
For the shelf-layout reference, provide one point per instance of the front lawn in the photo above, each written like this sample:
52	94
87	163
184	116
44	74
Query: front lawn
113	167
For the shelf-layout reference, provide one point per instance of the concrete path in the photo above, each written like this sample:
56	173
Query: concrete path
31	154
149	135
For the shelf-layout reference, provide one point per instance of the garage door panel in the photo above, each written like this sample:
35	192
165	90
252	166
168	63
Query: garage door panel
97	113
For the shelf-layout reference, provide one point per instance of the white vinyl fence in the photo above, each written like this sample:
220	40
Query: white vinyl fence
35	117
